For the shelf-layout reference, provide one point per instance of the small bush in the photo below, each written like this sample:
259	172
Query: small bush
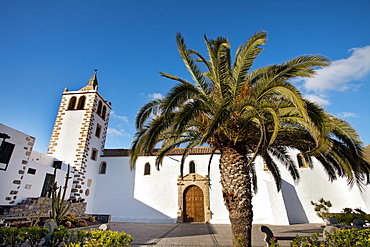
68	224
79	236
60	234
91	218
321	207
35	235
70	217
81	223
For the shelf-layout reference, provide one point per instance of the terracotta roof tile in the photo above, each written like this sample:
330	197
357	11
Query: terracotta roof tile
176	151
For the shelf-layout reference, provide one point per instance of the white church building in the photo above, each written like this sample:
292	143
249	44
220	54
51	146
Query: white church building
102	177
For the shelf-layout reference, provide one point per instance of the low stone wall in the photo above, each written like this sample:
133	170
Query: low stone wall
31	208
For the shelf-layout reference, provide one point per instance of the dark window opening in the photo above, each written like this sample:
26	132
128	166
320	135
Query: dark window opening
47	183
191	167
97	131
81	103
103	168
31	171
301	161
72	103
6	151
94	154
147	169
104	112
57	164
99	108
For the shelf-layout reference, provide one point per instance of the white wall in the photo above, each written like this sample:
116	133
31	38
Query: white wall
135	197
115	194
24	158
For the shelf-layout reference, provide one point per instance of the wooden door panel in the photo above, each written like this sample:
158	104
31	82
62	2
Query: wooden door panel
193	204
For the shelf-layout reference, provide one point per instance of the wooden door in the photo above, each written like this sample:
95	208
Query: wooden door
193	204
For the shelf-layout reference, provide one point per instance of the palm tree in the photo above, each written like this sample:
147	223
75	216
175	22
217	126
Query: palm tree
243	114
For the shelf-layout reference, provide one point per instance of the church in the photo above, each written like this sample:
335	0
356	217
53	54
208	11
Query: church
103	179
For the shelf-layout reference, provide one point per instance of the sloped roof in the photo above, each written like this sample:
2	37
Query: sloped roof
176	151
92	83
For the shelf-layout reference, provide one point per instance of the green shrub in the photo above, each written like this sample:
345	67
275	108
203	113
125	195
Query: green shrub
307	241
348	215
12	236
35	234
339	238
60	234
105	239
322	207
80	223
2	236
91	218
70	217
349	238
79	236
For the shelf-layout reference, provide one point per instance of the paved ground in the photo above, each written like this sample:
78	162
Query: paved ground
194	234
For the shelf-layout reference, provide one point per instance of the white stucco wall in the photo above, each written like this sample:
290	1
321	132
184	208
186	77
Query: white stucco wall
134	197
68	137
24	158
32	184
115	195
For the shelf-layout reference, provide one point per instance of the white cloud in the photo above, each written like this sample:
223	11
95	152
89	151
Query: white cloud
347	114
122	118
320	99
340	75
114	132
155	95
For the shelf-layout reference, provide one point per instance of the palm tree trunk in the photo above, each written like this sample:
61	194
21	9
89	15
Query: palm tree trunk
237	193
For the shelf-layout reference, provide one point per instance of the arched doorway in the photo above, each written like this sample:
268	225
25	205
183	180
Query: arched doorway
193	204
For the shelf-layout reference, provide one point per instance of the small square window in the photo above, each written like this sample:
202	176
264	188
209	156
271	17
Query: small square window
31	171
57	164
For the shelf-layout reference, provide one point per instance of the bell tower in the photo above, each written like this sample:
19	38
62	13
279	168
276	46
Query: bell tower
79	135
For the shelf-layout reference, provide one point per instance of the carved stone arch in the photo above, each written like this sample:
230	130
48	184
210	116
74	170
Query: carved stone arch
186	182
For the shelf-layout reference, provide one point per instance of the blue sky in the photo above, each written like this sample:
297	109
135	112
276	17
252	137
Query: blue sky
46	46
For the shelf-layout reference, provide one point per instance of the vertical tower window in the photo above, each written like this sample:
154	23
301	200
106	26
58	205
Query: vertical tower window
94	154
98	131
104	112
98	111
81	103
147	169
103	168
191	167
72	103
